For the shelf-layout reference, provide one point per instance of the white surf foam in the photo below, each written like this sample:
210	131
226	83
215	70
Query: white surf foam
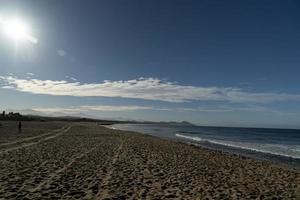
276	149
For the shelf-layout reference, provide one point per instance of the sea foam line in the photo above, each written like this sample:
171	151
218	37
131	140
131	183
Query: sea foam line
198	139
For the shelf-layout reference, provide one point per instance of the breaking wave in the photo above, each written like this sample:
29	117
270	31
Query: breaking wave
276	149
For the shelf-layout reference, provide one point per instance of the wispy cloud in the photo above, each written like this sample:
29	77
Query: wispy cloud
64	110
88	108
30	74
7	87
226	108
71	78
128	108
115	108
143	88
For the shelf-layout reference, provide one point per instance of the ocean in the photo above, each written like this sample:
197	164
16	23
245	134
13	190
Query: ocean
279	145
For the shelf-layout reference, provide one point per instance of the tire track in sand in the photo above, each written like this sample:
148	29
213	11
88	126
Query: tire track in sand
57	173
28	141
103	193
32	138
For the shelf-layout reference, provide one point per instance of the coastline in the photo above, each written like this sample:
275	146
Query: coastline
88	161
243	163
286	161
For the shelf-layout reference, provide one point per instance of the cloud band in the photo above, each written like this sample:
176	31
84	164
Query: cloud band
142	88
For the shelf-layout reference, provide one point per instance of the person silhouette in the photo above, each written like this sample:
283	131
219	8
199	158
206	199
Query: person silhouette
20	127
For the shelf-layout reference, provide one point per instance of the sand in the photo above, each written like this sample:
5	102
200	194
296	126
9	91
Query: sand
86	161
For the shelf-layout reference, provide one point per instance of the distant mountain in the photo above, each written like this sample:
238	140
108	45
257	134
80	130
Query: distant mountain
182	123
32	112
80	115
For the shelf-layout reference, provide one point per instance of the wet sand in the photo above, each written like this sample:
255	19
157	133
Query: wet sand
87	161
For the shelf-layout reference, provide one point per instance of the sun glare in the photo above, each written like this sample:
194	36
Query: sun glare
17	30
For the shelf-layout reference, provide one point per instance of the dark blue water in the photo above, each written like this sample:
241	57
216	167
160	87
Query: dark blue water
280	142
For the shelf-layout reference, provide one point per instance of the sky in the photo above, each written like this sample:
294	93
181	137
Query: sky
213	62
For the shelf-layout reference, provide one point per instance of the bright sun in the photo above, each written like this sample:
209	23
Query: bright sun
17	30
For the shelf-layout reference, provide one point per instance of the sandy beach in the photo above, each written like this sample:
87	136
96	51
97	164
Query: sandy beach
57	160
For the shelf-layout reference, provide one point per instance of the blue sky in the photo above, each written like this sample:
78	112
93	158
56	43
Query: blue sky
225	63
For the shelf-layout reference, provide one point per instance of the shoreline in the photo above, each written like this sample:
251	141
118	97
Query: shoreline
87	161
286	162
254	157
220	154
